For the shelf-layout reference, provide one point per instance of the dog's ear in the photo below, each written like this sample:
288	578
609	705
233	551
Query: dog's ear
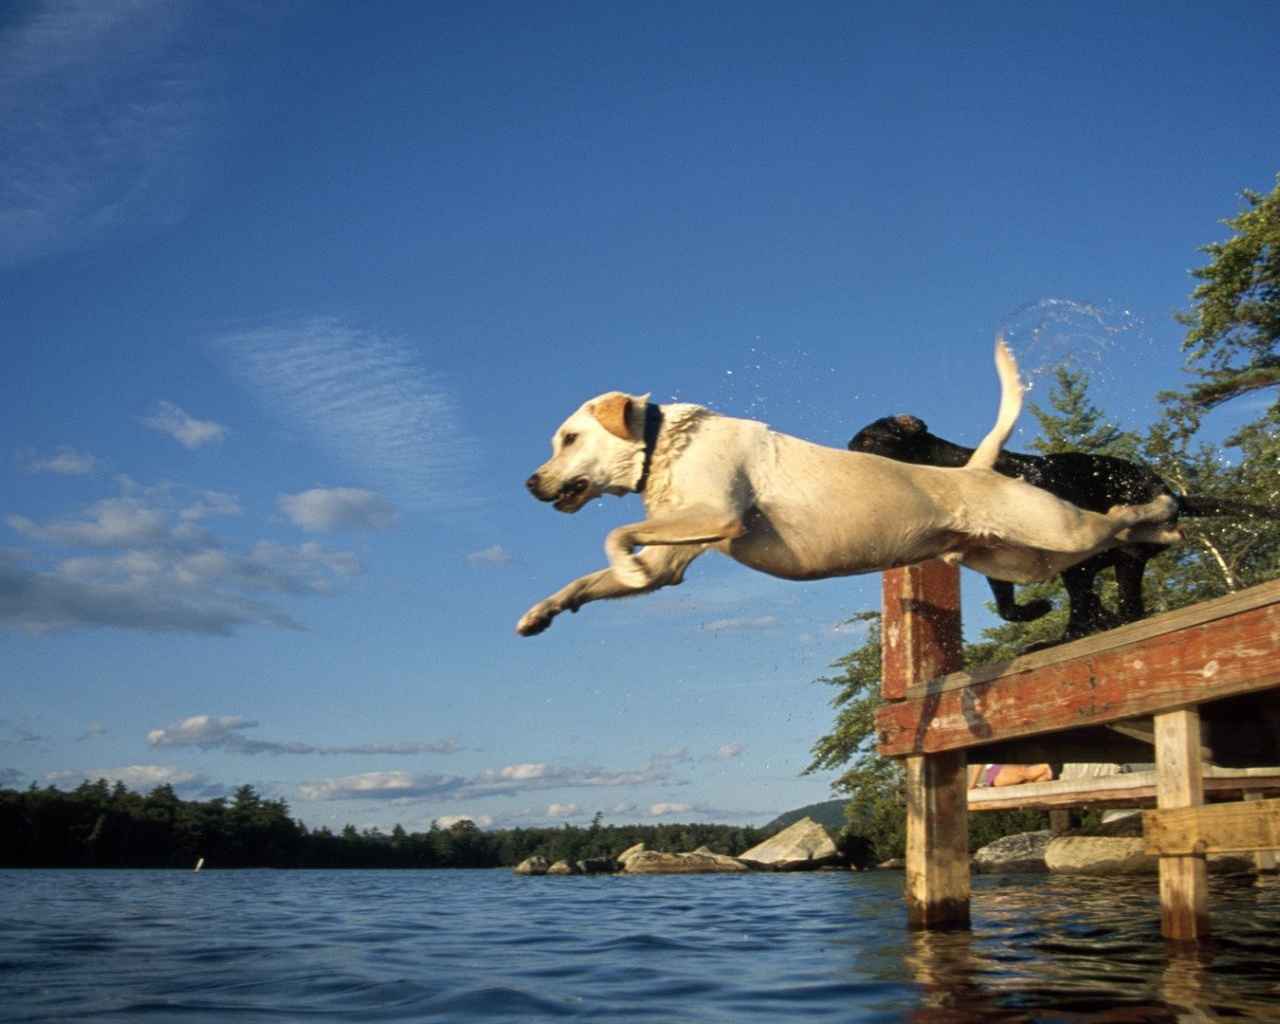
614	413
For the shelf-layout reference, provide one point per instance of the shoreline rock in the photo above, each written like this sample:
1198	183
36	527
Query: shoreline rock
1115	847
804	846
700	862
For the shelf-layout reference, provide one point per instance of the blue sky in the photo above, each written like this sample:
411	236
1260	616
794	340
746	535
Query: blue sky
295	294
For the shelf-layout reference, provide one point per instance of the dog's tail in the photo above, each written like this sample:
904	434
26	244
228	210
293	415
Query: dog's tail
985	455
1197	505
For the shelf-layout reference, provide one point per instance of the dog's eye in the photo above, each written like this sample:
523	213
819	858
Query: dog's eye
567	440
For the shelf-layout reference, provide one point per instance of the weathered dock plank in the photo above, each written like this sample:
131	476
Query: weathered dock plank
1218	828
1221	648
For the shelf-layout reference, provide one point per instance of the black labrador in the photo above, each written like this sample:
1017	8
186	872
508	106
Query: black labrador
1093	482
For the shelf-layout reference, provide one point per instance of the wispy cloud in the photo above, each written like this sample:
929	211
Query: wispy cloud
183	427
737	625
140	778
146	560
327	509
510	780
496	557
205	732
68	462
663	810
366	398
19	732
96	121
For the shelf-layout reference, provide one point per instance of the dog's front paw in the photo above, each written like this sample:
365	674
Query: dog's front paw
537	618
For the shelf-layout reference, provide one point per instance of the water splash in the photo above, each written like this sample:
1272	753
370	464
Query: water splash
1052	334
764	381
1112	346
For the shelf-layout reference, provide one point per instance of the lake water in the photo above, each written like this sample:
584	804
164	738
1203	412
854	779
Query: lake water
460	946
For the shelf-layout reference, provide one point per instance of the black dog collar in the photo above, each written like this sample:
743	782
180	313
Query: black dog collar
652	425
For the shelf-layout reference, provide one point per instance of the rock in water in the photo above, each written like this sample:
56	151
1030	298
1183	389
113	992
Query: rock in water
1021	852
624	858
800	847
700	862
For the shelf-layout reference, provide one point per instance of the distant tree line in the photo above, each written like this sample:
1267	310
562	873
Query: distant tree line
102	825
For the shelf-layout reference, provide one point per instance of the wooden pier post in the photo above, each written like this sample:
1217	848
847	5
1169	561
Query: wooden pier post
1210	668
1184	879
921	639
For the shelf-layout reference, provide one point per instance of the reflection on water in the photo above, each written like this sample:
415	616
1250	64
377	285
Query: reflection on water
1089	949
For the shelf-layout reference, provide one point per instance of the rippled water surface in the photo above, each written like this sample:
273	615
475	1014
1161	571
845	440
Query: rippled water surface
278	946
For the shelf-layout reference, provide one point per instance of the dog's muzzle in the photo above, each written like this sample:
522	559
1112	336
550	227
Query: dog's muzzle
569	498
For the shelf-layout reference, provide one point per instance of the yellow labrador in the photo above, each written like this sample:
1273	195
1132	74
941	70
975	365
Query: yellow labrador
802	511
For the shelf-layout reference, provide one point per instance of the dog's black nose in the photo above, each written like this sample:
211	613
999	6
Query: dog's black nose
532	484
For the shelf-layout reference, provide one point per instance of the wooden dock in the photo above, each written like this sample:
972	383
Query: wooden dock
1193	691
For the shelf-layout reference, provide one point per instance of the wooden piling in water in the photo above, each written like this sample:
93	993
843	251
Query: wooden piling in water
1181	689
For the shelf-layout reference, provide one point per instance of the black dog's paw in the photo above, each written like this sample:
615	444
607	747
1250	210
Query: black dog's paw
1028	612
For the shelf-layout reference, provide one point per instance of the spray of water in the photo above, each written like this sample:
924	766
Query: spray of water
1111	346
765	381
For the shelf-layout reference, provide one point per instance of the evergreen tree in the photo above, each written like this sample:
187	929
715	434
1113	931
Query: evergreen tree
1233	345
1233	339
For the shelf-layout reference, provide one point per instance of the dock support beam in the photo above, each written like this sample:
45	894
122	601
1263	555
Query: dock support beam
922	640
937	842
1184	880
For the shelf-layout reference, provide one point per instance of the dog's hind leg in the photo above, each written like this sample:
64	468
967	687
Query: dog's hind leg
1131	566
1007	606
1086	614
1086	532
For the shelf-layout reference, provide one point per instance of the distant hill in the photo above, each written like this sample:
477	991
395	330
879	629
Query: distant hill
829	814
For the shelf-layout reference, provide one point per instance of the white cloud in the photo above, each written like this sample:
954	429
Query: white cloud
383	786
137	777
206	732
405	786
562	810
97	121
47	601
97	729
68	462
496	557
144	560
113	522
730	751
739	624
366	398
525	772
183	427
201	731
479	820
394	749
662	810
322	510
